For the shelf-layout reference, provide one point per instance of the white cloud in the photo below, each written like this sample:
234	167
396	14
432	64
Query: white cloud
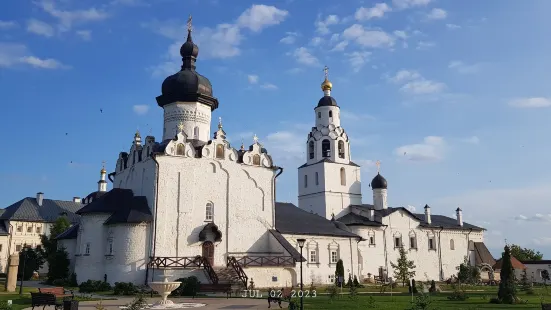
453	26
253	79
322	26
424	45
400	34
334	37
13	54
368	38
7	24
303	56
140	109
67	18
268	86
286	145
316	41
340	46
404	76
40	28
545	241
461	67
84	34
423	87
357	59
538	217
532	102
437	13
411	208
354	116
377	11
260	16
404	4
472	140
431	149
290	38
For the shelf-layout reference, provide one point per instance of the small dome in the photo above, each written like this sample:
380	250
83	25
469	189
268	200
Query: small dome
327	101
379	182
326	85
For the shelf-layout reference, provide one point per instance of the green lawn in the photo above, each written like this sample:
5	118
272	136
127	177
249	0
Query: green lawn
24	301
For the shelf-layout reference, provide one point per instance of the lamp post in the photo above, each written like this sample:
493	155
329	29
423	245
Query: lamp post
23	272
301	245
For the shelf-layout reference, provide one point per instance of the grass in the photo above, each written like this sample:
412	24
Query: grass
24	301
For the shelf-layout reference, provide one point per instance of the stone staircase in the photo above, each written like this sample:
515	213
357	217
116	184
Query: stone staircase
228	275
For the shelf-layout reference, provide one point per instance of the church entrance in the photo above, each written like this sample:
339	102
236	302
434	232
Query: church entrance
208	252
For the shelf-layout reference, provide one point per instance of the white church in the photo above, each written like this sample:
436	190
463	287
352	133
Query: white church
194	205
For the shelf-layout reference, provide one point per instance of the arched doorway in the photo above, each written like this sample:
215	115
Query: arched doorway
208	251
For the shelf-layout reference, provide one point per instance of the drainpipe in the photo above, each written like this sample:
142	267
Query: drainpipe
273	210
385	248
358	256
468	241
440	253
351	257
154	228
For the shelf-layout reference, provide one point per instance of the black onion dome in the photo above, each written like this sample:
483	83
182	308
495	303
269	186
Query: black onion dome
379	182
187	85
327	101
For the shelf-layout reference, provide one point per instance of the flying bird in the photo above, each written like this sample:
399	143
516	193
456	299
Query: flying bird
101	110
66	133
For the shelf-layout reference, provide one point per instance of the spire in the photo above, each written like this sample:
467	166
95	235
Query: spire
242	145
220	123
102	183
189	50
326	86
378	164
137	138
103	171
255	139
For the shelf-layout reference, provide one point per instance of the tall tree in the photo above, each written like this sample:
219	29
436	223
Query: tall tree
545	276
525	253
404	268
507	292
59	266
339	272
31	260
49	243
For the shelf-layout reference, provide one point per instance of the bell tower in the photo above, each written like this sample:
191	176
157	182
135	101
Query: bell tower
329	181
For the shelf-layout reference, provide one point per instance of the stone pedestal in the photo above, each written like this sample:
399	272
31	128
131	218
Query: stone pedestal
13	265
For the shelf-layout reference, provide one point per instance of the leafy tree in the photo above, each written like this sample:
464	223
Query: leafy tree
525	253
404	268
31	260
59	266
545	276
49	243
467	273
507	292
339	272
524	283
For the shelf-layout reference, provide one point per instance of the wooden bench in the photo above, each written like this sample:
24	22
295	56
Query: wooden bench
277	296
45	299
59	292
216	288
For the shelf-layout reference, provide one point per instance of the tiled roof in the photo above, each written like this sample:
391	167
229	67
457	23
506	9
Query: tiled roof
289	219
515	262
123	206
27	209
536	262
287	246
70	233
482	254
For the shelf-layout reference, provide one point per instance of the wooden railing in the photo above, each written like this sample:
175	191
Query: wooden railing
233	263
185	262
268	261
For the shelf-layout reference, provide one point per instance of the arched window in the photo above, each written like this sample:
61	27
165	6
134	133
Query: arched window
326	148
330	113
452	244
311	149
305	181
196	132
220	151
317	179
319	114
180	149
209	211
343	177
213	168
256	160
341	149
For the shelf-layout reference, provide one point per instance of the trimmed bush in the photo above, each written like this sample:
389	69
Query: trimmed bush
189	287
125	288
92	286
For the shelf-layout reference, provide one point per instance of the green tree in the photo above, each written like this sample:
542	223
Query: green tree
49	243
59	268
507	292
467	273
545	276
524	283
525	253
404	268
339	271
31	260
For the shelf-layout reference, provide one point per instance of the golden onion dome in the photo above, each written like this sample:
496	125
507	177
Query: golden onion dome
326	85
103	171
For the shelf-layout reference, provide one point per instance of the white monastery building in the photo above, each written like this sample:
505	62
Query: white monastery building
195	205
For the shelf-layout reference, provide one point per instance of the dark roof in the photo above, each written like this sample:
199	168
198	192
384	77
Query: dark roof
287	246
92	196
123	206
379	182
27	209
327	101
327	160
289	219
70	233
3	229
536	262
352	219
515	262
482	255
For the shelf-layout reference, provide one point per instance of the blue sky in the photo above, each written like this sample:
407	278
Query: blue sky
451	96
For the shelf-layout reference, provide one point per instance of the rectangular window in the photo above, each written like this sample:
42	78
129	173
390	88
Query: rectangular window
110	247
397	242
29	229
431	244
19	228
18	248
209	212
371	240
331	278
87	250
334	257
38	229
313	256
412	243
305	181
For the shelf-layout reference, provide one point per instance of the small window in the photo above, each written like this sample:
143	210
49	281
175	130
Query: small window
18	248
319	114
87	250
371	240
29	229
220	151
209	211
38	229
311	149
20	228
305	181
343	177
412	242
397	242
180	149
341	149
1	247
330	113
431	244
256	160
313	256
331	278
317	179
452	245
196	133
334	257
326	148
110	247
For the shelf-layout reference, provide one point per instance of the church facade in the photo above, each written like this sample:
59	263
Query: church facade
195	205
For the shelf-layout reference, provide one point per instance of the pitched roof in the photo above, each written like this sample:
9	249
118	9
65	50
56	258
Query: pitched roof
3	229
330	161
515	262
352	219
482	254
27	209
536	262
289	219
70	233
123	206
287	246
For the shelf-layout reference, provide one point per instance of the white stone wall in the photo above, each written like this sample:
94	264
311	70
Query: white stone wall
90	266
380	199
533	271
20	238
139	177
195	117
323	119
4	241
70	247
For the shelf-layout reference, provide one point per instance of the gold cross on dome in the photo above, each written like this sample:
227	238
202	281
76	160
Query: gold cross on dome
181	126
220	122
189	26
255	138
326	71
103	164
378	164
